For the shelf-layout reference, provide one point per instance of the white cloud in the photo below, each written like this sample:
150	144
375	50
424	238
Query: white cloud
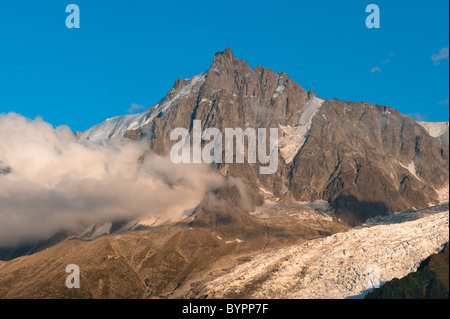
135	107
376	69
445	102
387	61
418	116
442	55
57	182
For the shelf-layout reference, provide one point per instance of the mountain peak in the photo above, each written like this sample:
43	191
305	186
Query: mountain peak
226	54
226	61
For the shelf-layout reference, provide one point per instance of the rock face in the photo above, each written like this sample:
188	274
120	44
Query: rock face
364	159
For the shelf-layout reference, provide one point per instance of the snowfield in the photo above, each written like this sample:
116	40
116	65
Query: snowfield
116	127
344	265
435	129
295	137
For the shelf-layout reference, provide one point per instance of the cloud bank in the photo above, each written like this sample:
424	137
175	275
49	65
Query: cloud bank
53	182
442	55
376	69
135	107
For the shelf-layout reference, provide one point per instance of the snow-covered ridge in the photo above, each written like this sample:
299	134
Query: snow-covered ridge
117	126
435	129
344	265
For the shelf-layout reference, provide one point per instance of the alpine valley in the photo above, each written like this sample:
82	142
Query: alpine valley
360	189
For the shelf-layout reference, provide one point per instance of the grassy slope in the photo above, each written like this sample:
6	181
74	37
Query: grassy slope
164	262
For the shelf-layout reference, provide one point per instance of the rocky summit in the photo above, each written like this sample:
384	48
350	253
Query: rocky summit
364	159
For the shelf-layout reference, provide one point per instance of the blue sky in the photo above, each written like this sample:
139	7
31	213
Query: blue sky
131	52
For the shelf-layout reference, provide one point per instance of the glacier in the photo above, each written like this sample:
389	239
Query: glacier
341	265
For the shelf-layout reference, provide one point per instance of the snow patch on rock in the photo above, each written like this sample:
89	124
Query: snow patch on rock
411	167
293	138
435	129
237	240
443	194
116	127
